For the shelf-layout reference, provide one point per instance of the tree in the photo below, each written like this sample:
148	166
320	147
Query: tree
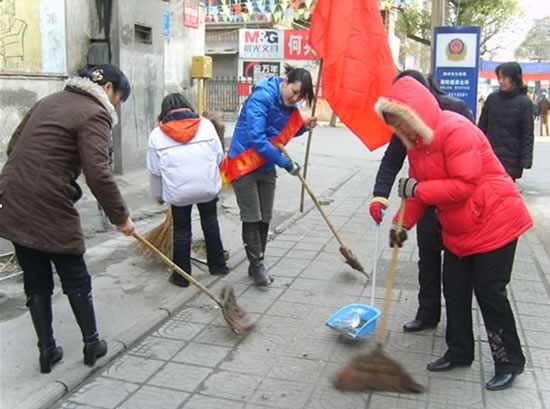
536	45
495	17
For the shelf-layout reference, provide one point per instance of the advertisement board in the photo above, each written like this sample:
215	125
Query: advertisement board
260	44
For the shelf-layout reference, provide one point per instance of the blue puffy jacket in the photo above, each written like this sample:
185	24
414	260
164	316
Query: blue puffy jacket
263	116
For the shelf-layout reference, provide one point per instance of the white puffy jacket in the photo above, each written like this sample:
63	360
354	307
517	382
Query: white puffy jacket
185	173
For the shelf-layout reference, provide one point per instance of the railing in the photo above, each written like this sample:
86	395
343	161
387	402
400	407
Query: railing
226	94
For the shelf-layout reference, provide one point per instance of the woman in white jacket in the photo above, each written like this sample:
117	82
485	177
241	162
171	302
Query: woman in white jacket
183	157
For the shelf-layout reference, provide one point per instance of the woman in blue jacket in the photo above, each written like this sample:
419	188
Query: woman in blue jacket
269	116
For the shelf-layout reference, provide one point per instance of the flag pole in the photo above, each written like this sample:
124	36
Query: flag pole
310	133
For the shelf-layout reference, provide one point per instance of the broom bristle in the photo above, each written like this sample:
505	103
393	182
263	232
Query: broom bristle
237	318
351	259
160	236
376	371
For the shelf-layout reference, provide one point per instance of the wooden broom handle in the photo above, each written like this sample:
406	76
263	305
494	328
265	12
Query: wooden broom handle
173	265
310	133
391	275
314	198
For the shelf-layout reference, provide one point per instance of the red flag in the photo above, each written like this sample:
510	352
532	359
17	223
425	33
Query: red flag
357	64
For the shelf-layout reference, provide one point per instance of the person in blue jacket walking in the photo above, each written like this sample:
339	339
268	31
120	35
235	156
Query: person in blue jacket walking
269	116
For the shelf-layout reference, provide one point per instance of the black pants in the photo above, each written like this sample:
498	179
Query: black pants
429	267
38	273
487	275
182	236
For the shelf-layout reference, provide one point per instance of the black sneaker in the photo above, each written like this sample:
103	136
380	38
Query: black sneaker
178	280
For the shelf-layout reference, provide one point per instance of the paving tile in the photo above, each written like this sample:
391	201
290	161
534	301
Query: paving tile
326	287
326	397
74	405
218	335
404	342
289	267
380	401
150	397
445	391
282	243
272	251
540	358
201	314
289	310
279	325
133	368
202	354
537	339
282	394
545	399
103	393
310	245
181	377
513	398
536	310
179	330
208	402
231	385
296	369
250	362
157	348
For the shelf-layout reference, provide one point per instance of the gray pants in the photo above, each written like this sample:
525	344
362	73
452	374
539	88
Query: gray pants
255	193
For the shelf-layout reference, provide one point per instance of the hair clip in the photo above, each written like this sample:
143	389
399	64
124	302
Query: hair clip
97	75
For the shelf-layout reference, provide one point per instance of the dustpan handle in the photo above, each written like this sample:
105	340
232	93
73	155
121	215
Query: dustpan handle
375	264
176	268
391	275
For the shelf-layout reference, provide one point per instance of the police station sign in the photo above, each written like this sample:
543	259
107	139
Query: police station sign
455	62
260	44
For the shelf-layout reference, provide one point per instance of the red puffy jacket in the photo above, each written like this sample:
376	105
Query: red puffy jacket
478	204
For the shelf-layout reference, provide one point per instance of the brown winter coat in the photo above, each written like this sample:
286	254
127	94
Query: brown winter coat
64	134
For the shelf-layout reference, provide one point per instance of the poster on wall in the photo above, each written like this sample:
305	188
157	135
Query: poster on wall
260	44
257	70
191	15
455	62
32	36
297	47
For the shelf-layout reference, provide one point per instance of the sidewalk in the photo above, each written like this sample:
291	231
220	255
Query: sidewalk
193	361
132	294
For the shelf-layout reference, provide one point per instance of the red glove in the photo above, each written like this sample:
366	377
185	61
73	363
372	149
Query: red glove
376	208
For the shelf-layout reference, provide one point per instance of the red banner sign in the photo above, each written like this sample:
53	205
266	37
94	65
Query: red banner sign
191	15
297	47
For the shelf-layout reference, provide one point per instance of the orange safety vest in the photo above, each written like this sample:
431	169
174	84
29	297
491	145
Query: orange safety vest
250	160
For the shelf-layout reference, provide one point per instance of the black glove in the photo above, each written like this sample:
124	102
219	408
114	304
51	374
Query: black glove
398	239
293	168
406	187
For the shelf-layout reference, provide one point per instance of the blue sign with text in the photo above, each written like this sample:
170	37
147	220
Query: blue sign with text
455	62
166	23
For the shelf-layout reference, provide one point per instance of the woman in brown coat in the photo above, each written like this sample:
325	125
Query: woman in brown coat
62	135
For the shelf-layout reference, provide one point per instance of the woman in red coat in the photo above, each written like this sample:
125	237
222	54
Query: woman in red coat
453	168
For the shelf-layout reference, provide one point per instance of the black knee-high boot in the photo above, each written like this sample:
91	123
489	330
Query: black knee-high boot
83	309
40	307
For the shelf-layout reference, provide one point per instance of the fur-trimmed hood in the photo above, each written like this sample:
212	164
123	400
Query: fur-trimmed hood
96	91
414	103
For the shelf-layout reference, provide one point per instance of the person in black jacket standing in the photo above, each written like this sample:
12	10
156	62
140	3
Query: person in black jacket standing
507	120
430	245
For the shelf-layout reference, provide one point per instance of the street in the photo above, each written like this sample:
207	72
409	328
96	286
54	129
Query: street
170	348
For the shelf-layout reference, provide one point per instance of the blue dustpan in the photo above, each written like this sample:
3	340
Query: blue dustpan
357	320
354	320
